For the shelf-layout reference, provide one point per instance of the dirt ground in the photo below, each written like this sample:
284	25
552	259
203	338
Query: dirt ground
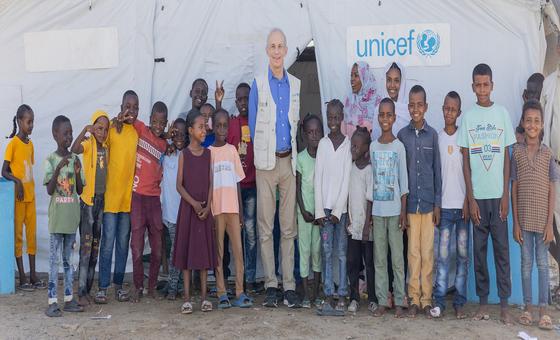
22	317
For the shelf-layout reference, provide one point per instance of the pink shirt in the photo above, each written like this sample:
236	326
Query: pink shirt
228	171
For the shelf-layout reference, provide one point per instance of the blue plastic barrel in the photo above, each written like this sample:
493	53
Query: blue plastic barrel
7	267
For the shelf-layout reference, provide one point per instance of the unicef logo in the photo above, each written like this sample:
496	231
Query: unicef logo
428	42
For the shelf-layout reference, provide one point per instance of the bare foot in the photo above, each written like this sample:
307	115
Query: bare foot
83	301
481	314
505	318
459	313
399	312
380	311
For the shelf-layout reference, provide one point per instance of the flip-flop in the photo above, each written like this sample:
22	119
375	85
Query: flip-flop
243	301
40	285
481	316
223	302
526	319
101	297
186	308
545	323
27	287
122	295
206	306
328	310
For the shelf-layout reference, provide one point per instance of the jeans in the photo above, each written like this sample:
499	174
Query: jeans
173	272
334	241
533	244
91	218
60	244
249	198
452	224
116	233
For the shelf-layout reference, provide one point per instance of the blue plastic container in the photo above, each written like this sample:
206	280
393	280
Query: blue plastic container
7	262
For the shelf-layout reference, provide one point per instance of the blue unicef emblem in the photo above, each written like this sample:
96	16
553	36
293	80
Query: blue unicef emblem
428	42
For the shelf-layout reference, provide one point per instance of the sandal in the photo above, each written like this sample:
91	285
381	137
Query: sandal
27	287
243	301
186	308
545	323
526	319
413	311
341	306
53	311
135	295
380	311
223	302
39	284
121	295
427	310
206	306
481	316
399	312
101	297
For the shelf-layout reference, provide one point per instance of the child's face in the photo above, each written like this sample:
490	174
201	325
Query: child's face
358	147
158	121
197	132
63	135
313	133
207	113
199	94
355	80
451	110
533	123
221	124
101	129
386	117
242	100
179	137
334	119
482	87
393	83
417	106
129	106
26	123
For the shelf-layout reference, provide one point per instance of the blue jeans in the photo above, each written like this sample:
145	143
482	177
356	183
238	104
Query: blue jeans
115	234
61	244
334	241
533	243
173	272
452	224
249	198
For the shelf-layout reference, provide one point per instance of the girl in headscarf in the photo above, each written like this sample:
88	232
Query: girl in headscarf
360	106
395	88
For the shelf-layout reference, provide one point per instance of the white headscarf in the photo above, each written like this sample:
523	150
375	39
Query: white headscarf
360	109
401	105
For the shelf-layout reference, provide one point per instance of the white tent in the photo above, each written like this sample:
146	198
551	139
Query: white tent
74	56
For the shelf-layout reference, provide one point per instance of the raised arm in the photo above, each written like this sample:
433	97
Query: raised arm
77	146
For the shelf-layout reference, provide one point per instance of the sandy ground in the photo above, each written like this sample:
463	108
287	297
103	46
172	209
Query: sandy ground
22	317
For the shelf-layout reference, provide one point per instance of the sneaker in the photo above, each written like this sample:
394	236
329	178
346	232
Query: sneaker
435	312
306	303
353	306
372	307
270	298
291	299
73	306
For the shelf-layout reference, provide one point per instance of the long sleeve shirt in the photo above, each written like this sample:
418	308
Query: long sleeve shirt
424	168
280	90
332	177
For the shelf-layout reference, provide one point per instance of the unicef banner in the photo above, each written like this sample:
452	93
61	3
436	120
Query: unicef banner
410	44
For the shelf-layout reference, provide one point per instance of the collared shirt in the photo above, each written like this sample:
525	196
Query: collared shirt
280	90
424	168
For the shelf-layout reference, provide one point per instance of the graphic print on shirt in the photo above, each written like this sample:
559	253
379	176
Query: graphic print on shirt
242	146
385	175
101	159
28	168
485	143
65	187
146	153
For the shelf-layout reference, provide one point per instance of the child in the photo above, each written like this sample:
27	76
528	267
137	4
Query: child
18	167
390	188
332	177
92	199
360	240
533	90
533	172
194	241
146	204
170	198
115	233
198	95
227	208
63	179
309	238
484	136
454	213
424	200
207	111
240	137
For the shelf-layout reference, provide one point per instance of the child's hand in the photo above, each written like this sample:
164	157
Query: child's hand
465	214
219	93
334	219
203	215
170	149
320	221
475	212
77	165
504	207
436	216
403	220
548	235
197	206
367	227
19	190
307	216
63	162
241	221
517	235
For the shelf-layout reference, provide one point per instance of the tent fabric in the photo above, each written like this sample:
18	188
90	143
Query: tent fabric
225	40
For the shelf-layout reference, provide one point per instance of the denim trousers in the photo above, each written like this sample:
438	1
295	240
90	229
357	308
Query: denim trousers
249	198
533	244
174	273
115	234
334	243
452	225
91	219
60	247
